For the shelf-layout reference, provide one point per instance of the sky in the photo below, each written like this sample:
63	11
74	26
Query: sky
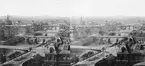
72	7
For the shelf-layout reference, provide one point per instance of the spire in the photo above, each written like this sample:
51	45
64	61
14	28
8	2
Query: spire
82	22
8	21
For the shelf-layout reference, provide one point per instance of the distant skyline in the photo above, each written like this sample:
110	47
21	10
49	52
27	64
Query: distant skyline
68	8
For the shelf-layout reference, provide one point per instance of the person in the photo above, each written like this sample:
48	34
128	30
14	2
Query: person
109	41
123	49
111	59
51	50
131	41
56	47
141	47
30	49
117	40
103	49
66	46
3	58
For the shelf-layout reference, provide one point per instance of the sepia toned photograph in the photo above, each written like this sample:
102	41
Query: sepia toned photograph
72	32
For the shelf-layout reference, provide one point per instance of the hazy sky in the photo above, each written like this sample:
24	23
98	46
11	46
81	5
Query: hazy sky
73	7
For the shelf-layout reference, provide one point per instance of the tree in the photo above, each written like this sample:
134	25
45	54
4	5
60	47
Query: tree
101	32
88	31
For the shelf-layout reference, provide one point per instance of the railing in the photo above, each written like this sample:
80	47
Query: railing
140	40
57	59
126	58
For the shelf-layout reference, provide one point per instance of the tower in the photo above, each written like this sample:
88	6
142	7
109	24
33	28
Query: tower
8	21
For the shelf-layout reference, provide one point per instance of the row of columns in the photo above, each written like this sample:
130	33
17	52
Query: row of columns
140	39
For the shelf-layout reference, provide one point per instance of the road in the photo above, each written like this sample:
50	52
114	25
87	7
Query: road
23	58
92	60
15	47
19	60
